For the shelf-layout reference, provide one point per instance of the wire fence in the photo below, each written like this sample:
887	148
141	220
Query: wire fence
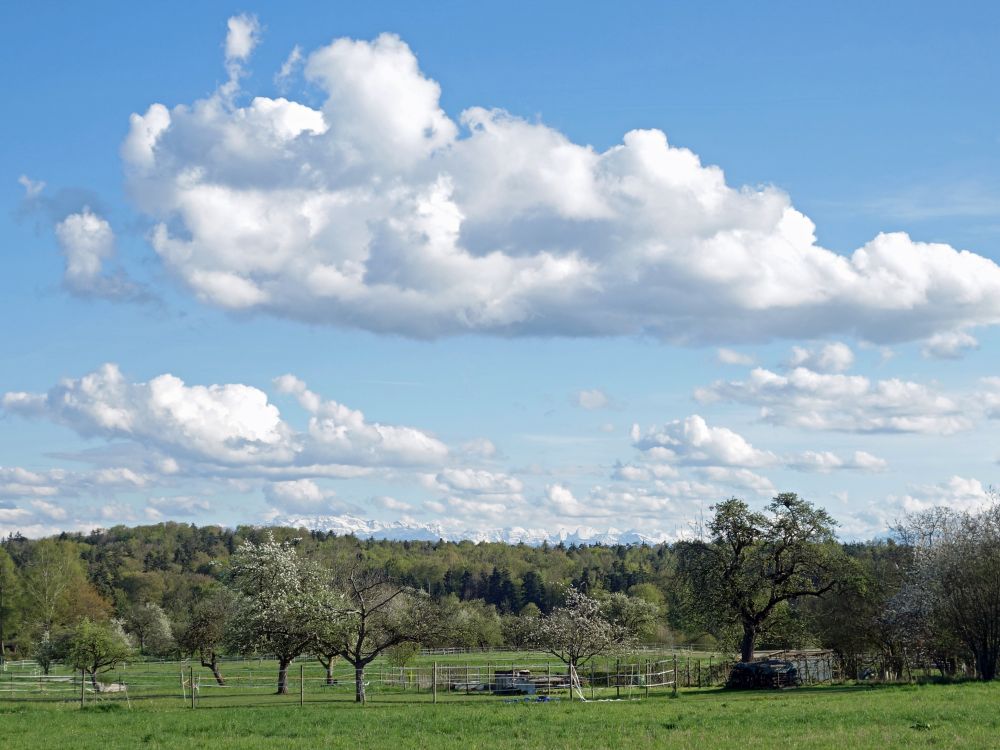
258	682
448	677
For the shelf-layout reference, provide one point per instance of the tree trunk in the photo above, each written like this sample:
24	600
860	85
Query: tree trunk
213	664
283	676
93	680
747	642
986	663
328	666
359	684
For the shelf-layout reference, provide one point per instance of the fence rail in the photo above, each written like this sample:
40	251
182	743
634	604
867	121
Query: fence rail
532	675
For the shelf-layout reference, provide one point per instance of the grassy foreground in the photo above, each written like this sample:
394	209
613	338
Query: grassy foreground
961	715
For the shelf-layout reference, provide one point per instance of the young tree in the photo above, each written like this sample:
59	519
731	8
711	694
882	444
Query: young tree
583	627
376	614
148	624
282	602
755	562
204	633
50	576
96	647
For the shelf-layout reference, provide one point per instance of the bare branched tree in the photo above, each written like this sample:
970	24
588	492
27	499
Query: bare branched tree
376	613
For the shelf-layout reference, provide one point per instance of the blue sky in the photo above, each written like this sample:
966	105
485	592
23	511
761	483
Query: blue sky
558	267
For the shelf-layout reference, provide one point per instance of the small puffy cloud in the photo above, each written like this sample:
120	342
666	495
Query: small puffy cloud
957	493
949	345
87	242
390	503
823	462
178	505
49	510
742	479
835	357
644	472
848	403
732	357
32	188
374	209
479	482
289	66
480	448
299	495
692	441
243	34
591	399
339	433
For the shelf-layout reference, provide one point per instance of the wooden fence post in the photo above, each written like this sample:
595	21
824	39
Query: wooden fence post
675	675
434	682
83	682
191	676
302	684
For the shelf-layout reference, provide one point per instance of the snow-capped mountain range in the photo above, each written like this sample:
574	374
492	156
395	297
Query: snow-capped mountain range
410	529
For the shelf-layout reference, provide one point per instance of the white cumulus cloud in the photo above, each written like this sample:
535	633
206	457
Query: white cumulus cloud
376	209
849	403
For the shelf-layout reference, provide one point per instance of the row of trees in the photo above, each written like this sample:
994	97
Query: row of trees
276	602
773	578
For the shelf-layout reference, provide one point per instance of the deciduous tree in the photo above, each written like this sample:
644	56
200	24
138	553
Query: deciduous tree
756	561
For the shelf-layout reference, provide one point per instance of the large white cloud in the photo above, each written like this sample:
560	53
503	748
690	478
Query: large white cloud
377	210
226	426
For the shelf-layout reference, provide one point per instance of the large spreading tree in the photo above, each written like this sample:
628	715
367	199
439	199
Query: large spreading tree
755	563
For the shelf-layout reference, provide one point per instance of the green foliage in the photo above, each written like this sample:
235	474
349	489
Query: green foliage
96	647
754	563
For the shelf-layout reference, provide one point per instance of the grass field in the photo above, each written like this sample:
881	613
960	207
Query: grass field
957	715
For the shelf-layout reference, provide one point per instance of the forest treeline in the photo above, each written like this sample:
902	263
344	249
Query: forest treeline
772	579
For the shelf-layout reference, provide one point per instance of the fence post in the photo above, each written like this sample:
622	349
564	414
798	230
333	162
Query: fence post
618	686
83	682
302	684
191	675
434	682
675	675
710	671
593	693
646	681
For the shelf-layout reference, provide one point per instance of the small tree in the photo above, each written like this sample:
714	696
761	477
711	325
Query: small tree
148	624
205	632
583	627
97	647
755	562
281	605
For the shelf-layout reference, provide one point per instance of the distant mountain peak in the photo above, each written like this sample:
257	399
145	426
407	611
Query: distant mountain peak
411	530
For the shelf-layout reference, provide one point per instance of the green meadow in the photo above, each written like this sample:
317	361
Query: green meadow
850	716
